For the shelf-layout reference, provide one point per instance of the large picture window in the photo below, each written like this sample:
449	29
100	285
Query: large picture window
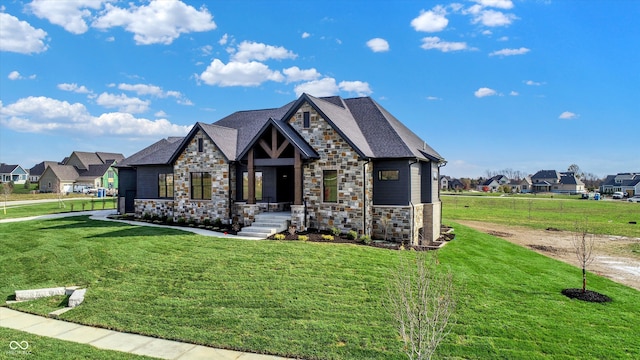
245	185
330	185
201	186
165	185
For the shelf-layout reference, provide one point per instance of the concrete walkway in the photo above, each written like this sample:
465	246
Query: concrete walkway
118	341
113	340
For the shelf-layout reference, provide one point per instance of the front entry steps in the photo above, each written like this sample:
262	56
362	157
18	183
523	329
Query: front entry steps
267	224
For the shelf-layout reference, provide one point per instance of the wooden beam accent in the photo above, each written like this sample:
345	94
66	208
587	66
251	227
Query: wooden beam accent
279	151
274	141
297	178
251	196
266	148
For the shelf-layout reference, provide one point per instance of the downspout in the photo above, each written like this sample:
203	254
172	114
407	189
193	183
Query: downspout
413	207
364	197
441	163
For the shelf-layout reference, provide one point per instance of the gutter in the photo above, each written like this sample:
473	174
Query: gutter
364	198
413	207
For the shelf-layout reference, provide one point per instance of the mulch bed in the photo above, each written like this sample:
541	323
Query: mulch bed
587	295
544	248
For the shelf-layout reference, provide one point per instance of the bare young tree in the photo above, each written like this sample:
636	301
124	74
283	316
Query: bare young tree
583	245
420	296
7	189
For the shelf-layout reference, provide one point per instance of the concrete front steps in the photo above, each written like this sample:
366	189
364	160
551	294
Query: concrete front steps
267	224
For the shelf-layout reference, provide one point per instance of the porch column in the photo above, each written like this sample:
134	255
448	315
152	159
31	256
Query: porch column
297	178
251	196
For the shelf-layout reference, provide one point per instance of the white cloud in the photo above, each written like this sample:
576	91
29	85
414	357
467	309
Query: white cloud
433	20
433	98
19	36
239	74
378	45
501	4
295	74
70	15
532	83
223	40
144	89
514	93
305	35
248	51
493	18
74	88
322	87
358	87
14	75
434	42
510	52
160	114
123	103
159	22
484	91
42	114
504	38
487	32
568	115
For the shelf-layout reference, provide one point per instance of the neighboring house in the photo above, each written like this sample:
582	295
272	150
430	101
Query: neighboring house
557	182
456	184
13	173
625	182
493	184
37	170
81	169
444	182
330	162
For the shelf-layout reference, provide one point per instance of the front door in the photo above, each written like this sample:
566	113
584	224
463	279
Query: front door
284	184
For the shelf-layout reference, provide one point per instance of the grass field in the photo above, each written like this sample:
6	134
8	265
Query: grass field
310	300
604	217
67	205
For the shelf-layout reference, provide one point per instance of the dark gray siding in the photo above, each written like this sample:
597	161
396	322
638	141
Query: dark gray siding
126	180
394	192
429	191
148	180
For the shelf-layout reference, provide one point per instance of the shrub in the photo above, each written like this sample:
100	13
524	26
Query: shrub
217	222
328	237
146	216
279	236
335	231
366	239
206	222
303	238
352	235
182	221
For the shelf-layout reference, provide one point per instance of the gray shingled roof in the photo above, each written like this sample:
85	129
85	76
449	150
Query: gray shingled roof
545	174
155	154
106	157
367	126
38	169
64	172
7	169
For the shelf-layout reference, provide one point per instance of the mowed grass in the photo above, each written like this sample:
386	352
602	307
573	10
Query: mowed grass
67	205
40	347
311	300
604	217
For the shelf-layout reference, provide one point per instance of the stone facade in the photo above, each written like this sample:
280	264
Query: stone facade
424	228
335	154
212	161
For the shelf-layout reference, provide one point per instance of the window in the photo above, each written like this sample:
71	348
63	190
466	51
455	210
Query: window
245	185
388	175
110	174
330	185
165	185
201	186
305	119
200	145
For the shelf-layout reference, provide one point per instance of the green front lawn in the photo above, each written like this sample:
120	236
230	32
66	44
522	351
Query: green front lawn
310	300
604	217
66	205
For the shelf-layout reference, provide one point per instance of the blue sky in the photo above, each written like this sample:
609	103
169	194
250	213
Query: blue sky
490	84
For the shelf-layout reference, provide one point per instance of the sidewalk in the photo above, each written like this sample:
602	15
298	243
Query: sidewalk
118	341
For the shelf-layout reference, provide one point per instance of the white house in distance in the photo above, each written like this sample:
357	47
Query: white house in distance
625	182
13	173
557	182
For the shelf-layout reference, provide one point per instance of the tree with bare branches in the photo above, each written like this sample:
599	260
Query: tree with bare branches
420	296
583	246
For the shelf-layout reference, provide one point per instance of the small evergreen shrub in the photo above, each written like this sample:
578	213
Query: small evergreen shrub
335	231
352	235
366	239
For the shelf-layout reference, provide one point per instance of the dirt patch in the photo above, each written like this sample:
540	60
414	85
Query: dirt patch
613	258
